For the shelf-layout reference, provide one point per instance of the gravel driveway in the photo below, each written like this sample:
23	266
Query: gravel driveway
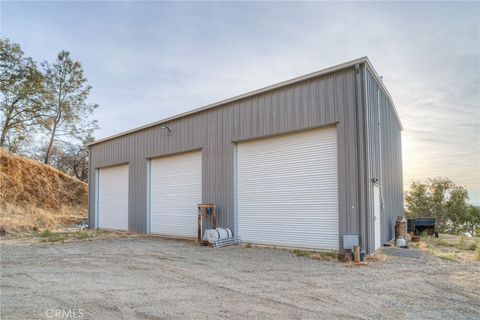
148	278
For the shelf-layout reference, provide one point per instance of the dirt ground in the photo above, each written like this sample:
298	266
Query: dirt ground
151	278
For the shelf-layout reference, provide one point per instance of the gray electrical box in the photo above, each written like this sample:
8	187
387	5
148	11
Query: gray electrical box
350	240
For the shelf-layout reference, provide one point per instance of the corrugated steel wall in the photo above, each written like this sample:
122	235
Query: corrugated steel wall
385	156
336	98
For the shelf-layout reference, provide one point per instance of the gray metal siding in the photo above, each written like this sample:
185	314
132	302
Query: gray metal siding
384	157
326	100
392	173
345	98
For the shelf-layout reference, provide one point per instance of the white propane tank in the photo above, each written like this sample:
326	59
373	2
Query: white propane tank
211	235
400	242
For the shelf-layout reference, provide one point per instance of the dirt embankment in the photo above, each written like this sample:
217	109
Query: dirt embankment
35	196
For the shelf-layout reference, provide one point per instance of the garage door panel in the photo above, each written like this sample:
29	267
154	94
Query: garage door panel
113	198
287	190
176	189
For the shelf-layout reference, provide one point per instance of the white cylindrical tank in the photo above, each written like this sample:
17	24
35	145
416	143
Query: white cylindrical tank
224	233
400	242
211	235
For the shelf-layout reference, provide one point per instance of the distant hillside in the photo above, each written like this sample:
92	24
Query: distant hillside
35	196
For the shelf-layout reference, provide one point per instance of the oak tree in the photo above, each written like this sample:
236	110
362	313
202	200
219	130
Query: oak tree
22	92
69	112
441	199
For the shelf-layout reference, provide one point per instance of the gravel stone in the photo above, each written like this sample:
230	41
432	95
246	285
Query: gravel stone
151	278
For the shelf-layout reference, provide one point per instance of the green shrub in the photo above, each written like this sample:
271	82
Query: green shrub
49	236
424	234
47	233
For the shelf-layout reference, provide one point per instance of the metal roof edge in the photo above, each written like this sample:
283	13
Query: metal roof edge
338	67
382	85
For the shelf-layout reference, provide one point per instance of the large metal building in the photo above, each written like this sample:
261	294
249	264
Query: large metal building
298	164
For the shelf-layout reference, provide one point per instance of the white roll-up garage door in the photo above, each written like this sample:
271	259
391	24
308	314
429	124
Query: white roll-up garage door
175	192
287	190
112	200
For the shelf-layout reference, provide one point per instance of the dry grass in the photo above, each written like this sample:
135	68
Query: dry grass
317	255
62	237
450	247
449	240
25	182
378	256
329	256
15	219
423	246
35	196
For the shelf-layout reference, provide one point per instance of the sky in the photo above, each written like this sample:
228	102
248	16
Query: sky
150	60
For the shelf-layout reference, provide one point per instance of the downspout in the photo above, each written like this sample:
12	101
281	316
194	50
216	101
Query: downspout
89	181
380	138
362	155
380	156
149	191
368	219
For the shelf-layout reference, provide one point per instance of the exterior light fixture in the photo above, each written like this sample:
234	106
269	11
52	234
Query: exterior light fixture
168	129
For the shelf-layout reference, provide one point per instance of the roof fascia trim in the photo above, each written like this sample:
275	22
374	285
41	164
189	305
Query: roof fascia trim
338	67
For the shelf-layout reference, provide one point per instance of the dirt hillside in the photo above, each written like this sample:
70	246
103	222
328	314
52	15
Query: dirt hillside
35	196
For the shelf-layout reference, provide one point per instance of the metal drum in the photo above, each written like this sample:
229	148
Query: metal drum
400	227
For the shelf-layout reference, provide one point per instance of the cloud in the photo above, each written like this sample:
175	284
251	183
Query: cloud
150	60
